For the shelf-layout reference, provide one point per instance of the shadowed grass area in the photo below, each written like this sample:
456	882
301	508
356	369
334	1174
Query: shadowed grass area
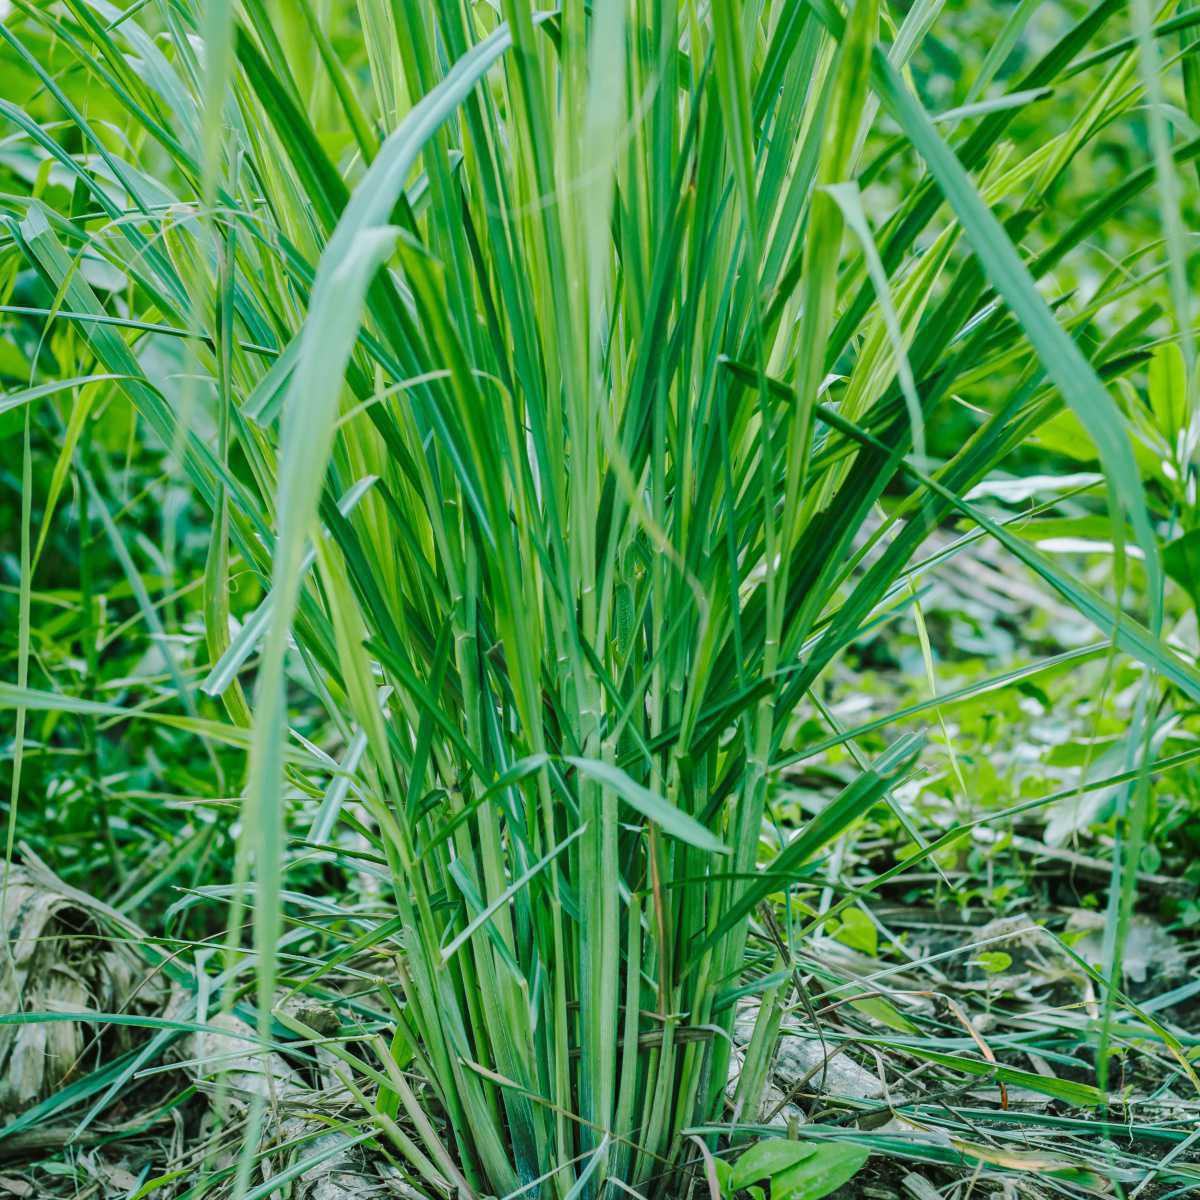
567	393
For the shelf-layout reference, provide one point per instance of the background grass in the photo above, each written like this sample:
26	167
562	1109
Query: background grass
539	530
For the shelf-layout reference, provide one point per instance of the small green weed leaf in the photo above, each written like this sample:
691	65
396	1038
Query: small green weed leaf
1181	559
766	1160
1168	390
994	961
858	932
830	1167
724	1172
13	364
1065	434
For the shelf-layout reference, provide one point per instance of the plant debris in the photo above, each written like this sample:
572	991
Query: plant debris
65	952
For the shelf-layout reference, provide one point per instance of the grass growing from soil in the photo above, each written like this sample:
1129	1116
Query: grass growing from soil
464	458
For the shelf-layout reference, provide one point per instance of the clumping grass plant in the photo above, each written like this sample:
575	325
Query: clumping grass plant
566	384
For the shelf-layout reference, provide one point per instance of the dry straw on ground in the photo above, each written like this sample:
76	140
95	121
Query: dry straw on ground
63	952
